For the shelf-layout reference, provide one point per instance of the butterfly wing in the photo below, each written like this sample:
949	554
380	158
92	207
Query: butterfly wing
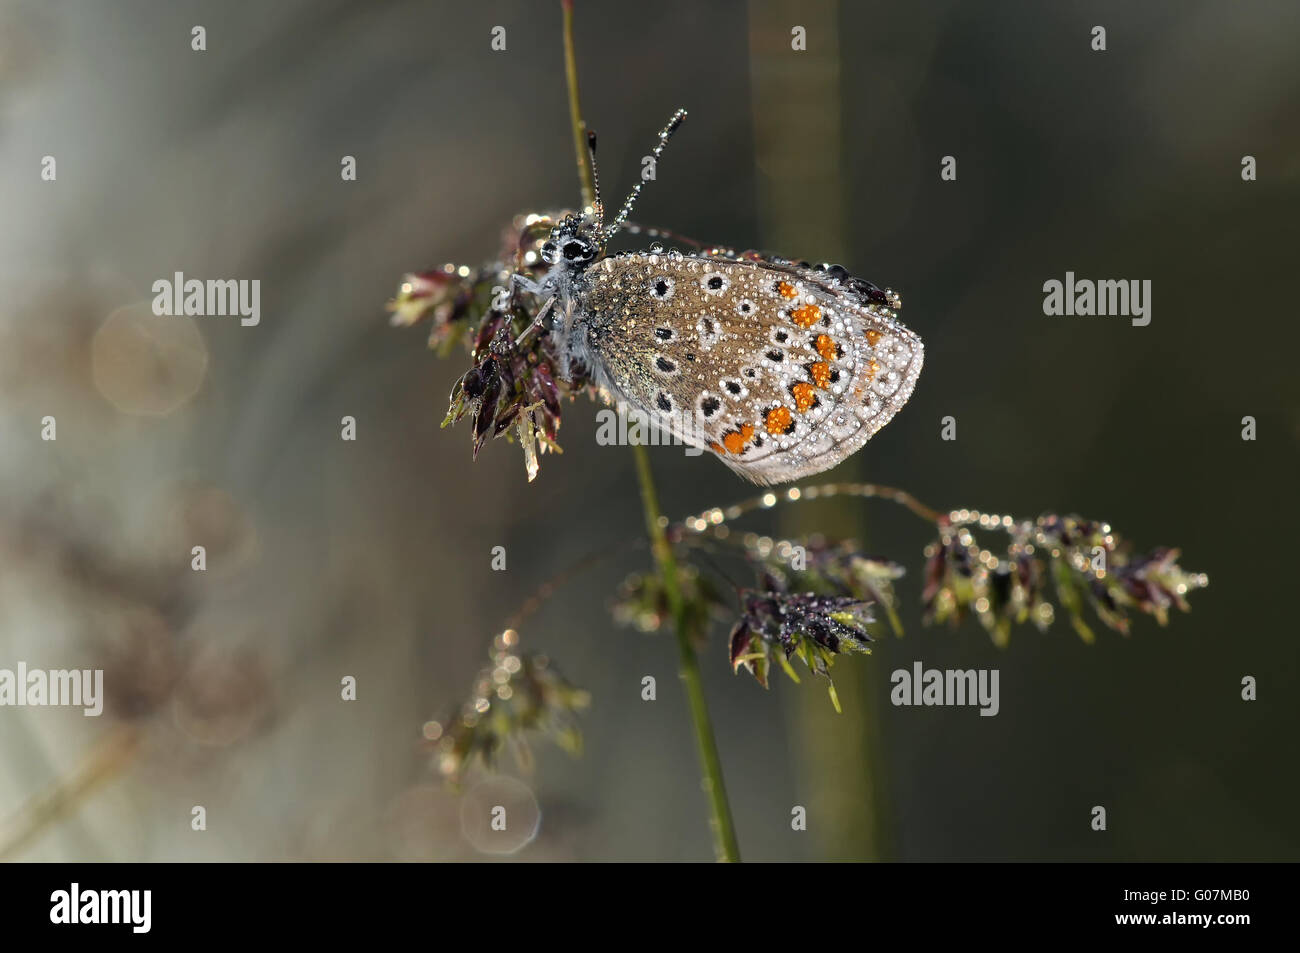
780	370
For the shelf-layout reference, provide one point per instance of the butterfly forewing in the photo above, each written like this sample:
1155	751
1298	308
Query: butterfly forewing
779	369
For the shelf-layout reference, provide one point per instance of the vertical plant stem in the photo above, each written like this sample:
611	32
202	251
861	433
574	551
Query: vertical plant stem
586	174
724	832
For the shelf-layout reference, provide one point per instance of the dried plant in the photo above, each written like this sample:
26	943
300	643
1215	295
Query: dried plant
512	387
1085	561
517	694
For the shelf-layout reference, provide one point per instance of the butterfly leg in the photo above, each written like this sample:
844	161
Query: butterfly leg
539	321
523	281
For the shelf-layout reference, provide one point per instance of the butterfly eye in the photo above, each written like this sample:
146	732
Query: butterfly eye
574	250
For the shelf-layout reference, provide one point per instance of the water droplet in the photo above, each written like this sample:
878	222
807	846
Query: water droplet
657	247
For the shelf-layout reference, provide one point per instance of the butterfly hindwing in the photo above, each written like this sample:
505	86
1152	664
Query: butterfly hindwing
780	370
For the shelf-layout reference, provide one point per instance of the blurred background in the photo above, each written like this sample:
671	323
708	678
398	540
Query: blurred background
371	558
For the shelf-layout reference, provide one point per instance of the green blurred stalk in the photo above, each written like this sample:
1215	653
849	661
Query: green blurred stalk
586	174
798	145
724	832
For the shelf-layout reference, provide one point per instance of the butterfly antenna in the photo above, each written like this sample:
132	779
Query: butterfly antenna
598	207
665	134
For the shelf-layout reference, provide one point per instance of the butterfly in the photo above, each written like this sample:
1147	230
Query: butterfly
780	368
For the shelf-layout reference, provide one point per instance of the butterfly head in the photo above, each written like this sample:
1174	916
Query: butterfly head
580	240
573	244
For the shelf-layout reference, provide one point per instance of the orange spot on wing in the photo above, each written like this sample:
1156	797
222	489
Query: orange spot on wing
827	347
735	441
778	420
872	368
806	316
821	374
873	336
717	448
786	290
804	396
